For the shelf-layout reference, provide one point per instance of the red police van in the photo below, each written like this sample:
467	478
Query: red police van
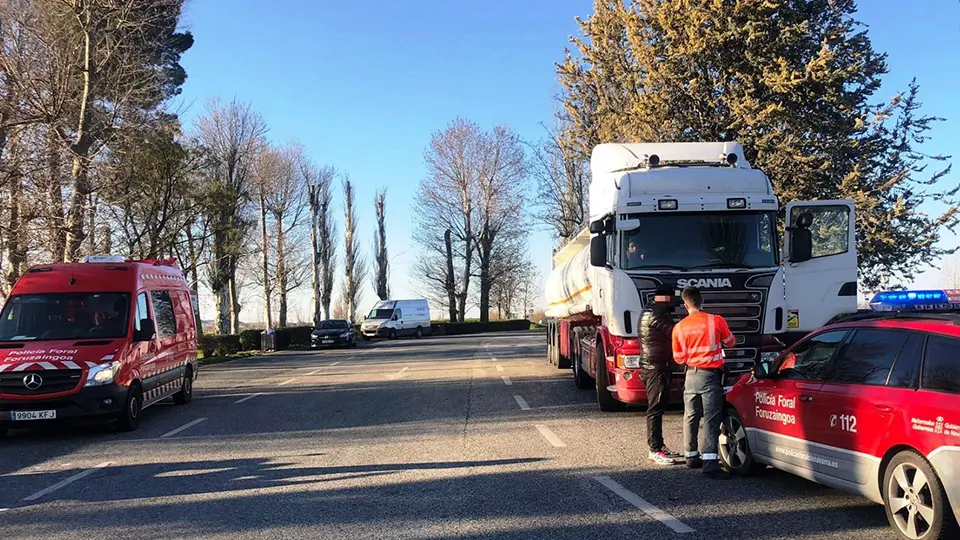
99	340
869	405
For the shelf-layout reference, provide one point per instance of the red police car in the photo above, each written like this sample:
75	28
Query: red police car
870	405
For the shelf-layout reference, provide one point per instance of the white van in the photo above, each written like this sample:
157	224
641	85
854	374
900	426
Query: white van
395	318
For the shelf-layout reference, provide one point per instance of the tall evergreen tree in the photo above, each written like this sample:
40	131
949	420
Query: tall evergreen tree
795	82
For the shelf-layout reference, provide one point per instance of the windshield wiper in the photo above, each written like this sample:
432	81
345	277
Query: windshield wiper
721	265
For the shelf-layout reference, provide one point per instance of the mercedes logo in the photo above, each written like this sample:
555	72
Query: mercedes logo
32	381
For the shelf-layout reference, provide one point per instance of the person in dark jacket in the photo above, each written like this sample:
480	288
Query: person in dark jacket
656	327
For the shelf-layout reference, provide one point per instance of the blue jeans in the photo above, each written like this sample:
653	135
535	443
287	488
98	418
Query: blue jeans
703	398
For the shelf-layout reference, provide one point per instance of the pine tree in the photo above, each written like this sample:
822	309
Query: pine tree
794	81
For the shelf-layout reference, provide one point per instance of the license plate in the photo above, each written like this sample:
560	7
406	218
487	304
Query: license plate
327	341
33	415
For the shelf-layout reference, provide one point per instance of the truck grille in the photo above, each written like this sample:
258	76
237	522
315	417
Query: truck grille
743	311
52	381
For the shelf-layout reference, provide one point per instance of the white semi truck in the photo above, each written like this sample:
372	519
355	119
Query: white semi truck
679	214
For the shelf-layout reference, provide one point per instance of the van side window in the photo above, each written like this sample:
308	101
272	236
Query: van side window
163	311
398	314
142	311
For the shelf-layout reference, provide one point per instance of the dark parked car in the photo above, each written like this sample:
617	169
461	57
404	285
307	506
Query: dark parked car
333	333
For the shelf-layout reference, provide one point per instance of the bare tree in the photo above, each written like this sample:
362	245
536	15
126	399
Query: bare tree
266	170
563	183
381	279
323	232
233	136
354	265
289	208
950	273
500	209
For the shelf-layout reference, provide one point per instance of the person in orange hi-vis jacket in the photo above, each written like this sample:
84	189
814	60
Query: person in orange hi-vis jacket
698	342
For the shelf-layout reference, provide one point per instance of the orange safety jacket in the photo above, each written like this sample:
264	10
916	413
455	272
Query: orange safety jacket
698	340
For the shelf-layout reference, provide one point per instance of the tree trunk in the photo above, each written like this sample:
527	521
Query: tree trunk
315	254
76	232
92	226
193	272
281	274
234	301
222	302
485	248
265	262
55	217
82	142
449	284
16	244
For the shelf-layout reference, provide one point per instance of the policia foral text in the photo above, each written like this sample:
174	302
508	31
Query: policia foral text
698	342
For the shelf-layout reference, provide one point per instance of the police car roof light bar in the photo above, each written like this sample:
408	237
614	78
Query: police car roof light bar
928	300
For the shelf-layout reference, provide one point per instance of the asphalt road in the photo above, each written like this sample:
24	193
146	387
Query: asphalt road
442	438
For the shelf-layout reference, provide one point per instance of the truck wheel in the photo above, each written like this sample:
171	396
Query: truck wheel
580	377
129	419
735	452
916	505
419	333
185	395
605	398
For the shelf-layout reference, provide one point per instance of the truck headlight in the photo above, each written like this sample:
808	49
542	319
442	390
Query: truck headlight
769	356
630	361
102	374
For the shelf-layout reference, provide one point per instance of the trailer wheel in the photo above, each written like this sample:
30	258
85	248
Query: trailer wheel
565	362
581	378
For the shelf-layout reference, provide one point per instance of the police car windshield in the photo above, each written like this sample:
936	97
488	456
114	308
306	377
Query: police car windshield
56	316
380	314
700	240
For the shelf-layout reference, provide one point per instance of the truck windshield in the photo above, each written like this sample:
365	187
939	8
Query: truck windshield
685	241
380	314
54	316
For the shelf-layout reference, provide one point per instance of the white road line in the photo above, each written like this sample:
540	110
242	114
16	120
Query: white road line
398	374
499	367
3	509
506	380
335	363
182	428
522	403
248	398
65	482
550	436
643	505
286	382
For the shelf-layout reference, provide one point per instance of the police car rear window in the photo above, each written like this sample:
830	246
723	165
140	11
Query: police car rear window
941	368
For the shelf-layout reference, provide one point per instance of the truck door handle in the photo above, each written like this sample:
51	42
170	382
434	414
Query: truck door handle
806	398
885	408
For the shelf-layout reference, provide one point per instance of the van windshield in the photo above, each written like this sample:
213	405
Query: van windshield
55	316
380	314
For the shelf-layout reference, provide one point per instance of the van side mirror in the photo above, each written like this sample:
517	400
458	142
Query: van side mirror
147	331
597	227
598	251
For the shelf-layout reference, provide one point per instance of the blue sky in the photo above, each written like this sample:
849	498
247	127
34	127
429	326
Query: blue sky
363	86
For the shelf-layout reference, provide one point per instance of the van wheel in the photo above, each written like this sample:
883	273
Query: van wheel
129	419
735	452
185	395
580	377
393	334
419	333
605	398
914	499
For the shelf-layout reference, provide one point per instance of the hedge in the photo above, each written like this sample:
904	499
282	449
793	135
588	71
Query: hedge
449	329
219	345
250	340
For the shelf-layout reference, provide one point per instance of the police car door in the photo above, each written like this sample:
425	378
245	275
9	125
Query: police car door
871	381
819	264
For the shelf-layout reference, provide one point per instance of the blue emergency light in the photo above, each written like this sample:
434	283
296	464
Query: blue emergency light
934	300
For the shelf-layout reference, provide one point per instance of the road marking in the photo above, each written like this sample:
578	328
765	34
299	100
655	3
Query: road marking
286	382
522	403
643	505
335	363
506	380
398	374
550	436
3	509
248	398
499	367
182	428
66	482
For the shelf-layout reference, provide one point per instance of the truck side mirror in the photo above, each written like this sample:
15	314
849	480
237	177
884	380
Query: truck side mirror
598	251
146	332
597	227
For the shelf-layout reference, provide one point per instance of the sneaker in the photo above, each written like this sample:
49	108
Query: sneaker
694	463
718	474
669	453
659	458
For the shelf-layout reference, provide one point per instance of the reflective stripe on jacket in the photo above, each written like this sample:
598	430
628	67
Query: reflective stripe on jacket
698	340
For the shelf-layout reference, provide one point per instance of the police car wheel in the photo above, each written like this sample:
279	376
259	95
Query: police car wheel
3	432
914	499
130	416
735	454
185	395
